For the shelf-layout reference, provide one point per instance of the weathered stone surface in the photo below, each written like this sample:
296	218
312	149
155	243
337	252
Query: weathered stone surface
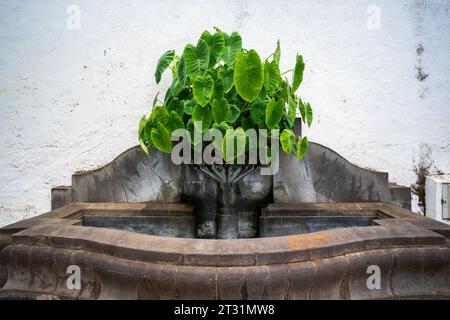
232	283
279	219
253	192
330	281
131	177
115	264
340	277
196	188
301	277
358	274
177	226
325	176
64	232
158	283
421	272
61	196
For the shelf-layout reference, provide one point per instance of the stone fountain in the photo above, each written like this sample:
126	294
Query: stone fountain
142	228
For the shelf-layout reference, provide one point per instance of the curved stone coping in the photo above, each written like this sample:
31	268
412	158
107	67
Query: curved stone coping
155	208
137	147
116	158
305	208
339	156
242	252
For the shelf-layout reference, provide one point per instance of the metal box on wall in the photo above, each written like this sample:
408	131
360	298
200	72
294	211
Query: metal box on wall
437	193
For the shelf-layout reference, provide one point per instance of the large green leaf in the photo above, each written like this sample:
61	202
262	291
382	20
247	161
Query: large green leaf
176	105
301	147
287	140
271	76
297	76
306	112
191	129
174	66
189	106
220	110
203	88
147	133
258	111
277	53
155	100
163	62
161	139
196	59
174	122
248	75
181	72
286	121
175	88
158	114
291	104
142	123
274	112
226	74
309	114
144	147
302	108
141	134
202	114
216	44
207	37
219	90
233	44
234	114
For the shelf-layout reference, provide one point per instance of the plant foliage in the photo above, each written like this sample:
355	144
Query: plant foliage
226	87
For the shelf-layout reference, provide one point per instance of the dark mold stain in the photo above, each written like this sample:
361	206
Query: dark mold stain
420	49
421	76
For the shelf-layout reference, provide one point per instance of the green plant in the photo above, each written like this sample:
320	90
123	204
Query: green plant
226	87
422	169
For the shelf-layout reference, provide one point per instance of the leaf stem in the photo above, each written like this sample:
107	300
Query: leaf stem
287	72
269	56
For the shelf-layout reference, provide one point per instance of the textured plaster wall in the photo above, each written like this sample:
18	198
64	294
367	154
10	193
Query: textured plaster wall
71	99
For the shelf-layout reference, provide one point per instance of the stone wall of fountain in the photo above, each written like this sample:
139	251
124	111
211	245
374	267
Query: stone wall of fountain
322	176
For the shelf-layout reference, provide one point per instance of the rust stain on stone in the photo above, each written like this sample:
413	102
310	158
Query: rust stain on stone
305	241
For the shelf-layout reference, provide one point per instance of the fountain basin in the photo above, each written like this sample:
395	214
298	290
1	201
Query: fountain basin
411	251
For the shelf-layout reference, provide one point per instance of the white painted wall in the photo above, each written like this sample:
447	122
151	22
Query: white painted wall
71	99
